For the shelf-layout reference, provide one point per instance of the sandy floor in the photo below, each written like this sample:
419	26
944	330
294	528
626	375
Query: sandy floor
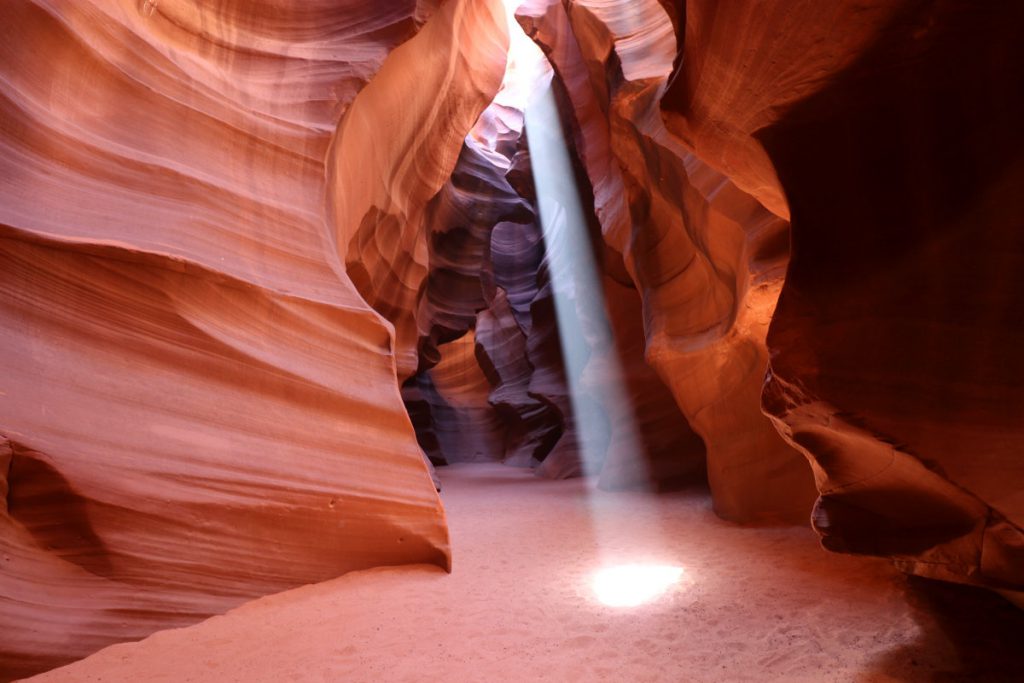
751	605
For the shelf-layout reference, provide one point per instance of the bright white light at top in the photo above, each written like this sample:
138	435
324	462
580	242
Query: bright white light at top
528	69
629	585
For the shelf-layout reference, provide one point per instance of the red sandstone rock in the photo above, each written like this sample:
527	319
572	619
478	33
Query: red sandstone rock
196	405
896	345
894	144
398	145
467	427
744	64
482	245
533	425
459	227
532	389
170	461
706	258
651	445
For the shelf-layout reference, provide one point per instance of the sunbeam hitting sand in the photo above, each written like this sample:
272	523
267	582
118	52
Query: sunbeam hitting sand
275	272
520	605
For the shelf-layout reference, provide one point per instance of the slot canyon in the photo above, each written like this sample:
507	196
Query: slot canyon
512	340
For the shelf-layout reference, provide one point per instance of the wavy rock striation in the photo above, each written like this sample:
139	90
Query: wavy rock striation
706	259
895	345
197	406
488	272
396	149
229	233
886	132
483	341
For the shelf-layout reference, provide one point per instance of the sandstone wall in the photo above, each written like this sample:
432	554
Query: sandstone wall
197	406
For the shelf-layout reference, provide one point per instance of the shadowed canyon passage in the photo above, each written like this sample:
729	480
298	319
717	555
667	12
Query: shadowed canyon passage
267	266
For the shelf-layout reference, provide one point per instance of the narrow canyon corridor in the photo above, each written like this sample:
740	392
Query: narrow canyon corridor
512	340
520	605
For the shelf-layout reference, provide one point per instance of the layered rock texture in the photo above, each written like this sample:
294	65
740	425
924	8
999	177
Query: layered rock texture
885	132
896	364
197	406
260	261
706	259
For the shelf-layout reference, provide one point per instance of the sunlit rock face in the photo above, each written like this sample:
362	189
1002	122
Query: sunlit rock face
456	392
449	270
886	132
230	232
483	248
464	280
395	150
706	259
487	256
197	406
491	382
893	145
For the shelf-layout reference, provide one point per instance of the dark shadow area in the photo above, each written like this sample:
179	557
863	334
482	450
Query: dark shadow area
969	634
901	308
56	515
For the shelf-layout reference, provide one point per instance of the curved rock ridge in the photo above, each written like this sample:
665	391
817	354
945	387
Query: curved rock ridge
706	259
744	64
886	131
460	221
398	145
651	445
132	117
197	406
532	422
230	232
169	462
523	357
462	279
519	347
482	266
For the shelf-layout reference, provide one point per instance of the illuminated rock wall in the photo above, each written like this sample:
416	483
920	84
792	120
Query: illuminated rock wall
886	132
197	407
230	232
705	258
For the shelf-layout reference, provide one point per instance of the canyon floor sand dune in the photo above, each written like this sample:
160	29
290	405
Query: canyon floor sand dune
749	605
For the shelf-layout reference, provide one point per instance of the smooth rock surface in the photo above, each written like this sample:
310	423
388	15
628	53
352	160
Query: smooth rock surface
230	232
197	406
706	258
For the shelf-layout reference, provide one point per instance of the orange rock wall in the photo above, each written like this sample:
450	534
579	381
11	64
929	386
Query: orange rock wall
706	259
397	147
197	407
887	132
230	231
